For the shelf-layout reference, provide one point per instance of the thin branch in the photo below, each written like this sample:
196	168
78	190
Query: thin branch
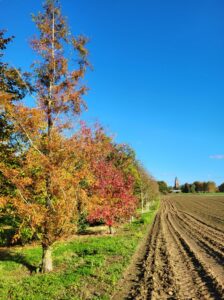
21	195
27	135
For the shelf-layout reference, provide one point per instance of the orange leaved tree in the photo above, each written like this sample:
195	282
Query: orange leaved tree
46	182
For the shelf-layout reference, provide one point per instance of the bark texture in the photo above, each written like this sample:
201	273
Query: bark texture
47	265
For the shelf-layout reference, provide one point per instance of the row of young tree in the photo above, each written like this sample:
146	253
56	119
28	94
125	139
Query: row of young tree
53	175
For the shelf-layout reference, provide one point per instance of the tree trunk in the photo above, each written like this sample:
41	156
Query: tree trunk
46	259
46	256
111	229
142	200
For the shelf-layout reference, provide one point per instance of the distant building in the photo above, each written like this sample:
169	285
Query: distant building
176	188
176	184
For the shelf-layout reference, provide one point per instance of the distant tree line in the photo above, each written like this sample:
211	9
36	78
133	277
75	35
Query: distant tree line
195	187
163	187
202	187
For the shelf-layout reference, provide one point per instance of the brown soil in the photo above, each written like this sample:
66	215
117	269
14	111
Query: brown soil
183	254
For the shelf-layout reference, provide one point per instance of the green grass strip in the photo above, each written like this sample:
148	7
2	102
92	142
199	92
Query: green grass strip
85	268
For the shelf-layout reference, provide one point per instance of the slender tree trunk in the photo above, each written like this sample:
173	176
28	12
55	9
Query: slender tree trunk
111	229
47	265
142	201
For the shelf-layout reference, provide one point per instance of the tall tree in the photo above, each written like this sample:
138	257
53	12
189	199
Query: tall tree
58	90
46	191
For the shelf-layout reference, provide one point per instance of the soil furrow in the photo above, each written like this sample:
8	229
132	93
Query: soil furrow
212	246
205	227
185	254
210	273
211	233
144	279
207	237
185	282
219	232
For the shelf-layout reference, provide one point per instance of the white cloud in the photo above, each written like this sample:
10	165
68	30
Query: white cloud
217	156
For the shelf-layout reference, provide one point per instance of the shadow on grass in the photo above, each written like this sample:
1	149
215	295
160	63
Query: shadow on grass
94	230
8	255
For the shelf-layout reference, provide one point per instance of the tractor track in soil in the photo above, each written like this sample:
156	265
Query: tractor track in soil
184	256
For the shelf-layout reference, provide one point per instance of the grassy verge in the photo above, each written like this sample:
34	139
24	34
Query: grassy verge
85	268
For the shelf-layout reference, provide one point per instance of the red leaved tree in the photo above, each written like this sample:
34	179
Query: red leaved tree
110	191
114	192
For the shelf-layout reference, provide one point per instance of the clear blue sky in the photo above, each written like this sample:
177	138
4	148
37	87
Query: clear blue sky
158	79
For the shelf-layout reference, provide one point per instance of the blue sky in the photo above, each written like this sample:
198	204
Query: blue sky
158	79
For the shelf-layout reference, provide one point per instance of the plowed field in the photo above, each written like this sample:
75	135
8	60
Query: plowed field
185	251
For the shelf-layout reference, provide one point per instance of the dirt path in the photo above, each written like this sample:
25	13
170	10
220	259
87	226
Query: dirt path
184	255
